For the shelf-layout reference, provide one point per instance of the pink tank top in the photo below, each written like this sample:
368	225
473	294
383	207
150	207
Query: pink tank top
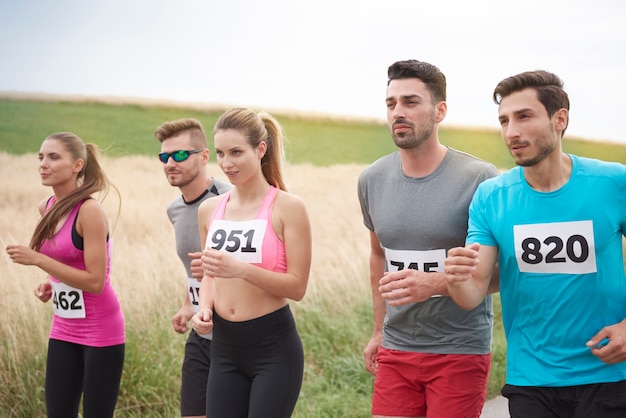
79	316
253	241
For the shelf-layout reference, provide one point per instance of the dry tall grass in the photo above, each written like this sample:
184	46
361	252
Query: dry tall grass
147	274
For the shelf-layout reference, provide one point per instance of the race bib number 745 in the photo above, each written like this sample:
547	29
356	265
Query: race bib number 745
558	247
427	261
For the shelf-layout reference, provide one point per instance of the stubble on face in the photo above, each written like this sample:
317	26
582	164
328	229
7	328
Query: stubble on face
411	114
183	173
530	134
180	177
545	145
415	137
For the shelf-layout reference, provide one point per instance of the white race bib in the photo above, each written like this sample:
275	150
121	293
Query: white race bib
426	261
242	239
193	290
558	247
67	301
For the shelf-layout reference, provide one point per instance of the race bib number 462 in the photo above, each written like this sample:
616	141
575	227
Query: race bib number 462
559	247
67	301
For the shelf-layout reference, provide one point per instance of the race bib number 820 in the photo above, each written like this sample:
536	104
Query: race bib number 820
559	247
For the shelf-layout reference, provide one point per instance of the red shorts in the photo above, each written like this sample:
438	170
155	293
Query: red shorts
409	384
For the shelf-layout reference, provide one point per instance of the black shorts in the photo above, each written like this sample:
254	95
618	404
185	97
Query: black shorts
195	373
600	400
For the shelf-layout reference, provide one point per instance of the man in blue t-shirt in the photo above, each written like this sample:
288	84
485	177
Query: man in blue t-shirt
554	225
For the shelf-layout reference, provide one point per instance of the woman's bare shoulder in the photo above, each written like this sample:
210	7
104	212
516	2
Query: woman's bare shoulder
210	203
290	206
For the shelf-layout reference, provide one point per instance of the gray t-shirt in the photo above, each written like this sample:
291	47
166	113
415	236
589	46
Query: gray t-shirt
417	220
184	217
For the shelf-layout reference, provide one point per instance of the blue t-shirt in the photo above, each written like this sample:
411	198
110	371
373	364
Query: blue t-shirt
561	269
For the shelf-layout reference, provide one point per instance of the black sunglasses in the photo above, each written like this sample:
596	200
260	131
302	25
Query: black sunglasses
178	156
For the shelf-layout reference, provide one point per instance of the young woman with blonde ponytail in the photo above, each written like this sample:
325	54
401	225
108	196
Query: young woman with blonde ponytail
257	258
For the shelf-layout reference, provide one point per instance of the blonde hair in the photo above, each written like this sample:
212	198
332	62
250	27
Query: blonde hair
175	127
257	127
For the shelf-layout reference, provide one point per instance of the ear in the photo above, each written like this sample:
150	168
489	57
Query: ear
262	149
78	165
441	109
206	154
561	120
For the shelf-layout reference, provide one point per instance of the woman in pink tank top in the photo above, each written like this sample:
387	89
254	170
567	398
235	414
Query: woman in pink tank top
257	258
71	244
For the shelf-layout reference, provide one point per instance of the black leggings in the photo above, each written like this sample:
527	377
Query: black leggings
74	369
256	367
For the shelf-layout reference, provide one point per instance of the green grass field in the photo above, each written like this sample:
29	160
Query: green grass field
128	130
334	330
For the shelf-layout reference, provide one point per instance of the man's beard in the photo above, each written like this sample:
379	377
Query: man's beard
545	147
412	139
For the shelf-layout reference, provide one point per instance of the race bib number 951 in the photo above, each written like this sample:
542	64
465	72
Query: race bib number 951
559	247
67	301
242	239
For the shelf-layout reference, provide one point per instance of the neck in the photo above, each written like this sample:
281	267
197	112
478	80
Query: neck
550	174
423	160
64	190
194	189
252	191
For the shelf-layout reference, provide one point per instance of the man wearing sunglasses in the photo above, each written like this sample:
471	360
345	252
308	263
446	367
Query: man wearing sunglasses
185	156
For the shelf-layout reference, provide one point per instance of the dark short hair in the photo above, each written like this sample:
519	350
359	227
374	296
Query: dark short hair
434	79
549	89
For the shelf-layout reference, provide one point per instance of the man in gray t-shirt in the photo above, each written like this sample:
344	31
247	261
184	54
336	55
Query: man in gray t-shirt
426	353
185	156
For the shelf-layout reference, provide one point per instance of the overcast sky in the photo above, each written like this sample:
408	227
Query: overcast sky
324	56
